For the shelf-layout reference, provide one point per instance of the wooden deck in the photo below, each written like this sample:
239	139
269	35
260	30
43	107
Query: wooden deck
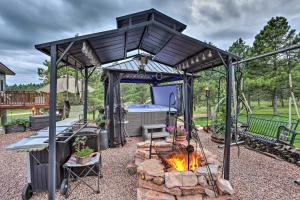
23	100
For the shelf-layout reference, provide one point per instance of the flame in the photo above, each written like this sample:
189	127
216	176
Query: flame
179	161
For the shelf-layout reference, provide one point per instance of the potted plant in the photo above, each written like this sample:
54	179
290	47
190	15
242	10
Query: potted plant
83	153
101	122
18	125
181	133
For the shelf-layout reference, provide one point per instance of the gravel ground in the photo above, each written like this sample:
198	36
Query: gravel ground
253	175
257	176
12	167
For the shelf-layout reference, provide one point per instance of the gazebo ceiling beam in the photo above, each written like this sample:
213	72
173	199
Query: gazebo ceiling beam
211	47
89	52
151	16
165	44
65	52
99	59
66	60
125	45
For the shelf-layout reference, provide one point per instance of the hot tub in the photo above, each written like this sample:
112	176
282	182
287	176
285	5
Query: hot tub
141	114
148	108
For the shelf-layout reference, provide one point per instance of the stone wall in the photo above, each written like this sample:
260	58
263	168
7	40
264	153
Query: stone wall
286	152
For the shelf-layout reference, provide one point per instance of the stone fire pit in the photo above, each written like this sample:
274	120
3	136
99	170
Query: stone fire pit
157	182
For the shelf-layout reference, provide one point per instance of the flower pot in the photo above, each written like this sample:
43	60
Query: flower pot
83	160
180	138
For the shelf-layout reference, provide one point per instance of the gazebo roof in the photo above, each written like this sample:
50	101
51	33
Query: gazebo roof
154	72
150	31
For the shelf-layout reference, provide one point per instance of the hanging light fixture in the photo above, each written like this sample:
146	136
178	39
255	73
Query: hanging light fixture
143	61
209	54
197	59
203	57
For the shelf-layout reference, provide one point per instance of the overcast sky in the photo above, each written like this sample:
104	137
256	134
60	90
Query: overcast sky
24	23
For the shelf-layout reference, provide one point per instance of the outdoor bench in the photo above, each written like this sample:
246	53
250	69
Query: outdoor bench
269	130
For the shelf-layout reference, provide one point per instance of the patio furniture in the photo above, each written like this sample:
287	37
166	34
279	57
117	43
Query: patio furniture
265	130
156	130
286	135
89	167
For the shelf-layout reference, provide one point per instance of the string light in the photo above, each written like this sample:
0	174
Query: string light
187	64
209	54
192	61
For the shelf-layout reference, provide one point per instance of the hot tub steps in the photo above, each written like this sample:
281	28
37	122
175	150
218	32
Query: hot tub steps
157	130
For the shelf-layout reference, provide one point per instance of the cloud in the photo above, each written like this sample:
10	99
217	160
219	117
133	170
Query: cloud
26	23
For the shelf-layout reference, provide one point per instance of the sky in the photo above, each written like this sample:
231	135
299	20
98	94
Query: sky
24	23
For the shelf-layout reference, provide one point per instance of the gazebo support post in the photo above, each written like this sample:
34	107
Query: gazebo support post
187	109
85	102
228	119
52	124
111	100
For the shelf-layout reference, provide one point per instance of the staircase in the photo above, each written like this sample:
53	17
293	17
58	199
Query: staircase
157	130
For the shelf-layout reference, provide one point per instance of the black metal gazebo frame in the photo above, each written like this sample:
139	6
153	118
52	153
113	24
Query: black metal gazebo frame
152	32
128	72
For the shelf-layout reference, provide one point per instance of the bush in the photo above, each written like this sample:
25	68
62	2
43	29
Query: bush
23	122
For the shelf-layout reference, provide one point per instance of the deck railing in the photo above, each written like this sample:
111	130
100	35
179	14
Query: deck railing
23	98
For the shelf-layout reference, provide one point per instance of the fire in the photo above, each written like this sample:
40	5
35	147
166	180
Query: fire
179	161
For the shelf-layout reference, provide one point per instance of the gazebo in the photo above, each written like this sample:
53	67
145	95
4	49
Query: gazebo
128	72
150	31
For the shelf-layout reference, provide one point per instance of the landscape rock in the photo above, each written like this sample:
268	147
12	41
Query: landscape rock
151	167
189	179
190	197
162	144
142	153
131	168
192	190
159	188
173	179
225	186
145	144
145	194
212	160
138	161
209	193
214	169
202	181
158	180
